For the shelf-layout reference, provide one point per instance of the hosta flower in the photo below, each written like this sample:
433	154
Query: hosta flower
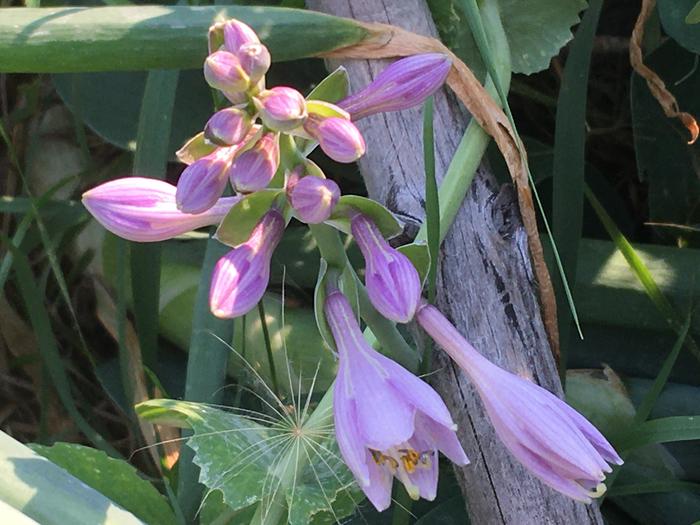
313	198
241	276
551	439
228	126
203	181
223	71
237	34
338	137
255	60
388	423
253	169
402	85
144	210
393	283
281	108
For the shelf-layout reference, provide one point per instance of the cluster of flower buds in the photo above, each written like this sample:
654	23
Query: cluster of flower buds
388	422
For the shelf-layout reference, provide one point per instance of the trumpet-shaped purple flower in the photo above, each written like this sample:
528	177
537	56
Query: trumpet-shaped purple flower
393	283
312	198
241	276
144	210
203	181
255	60
237	34
253	169
281	108
402	85
551	439
338	137
223	71
388	423
228	126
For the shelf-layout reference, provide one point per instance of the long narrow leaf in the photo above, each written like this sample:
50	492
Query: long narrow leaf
663	430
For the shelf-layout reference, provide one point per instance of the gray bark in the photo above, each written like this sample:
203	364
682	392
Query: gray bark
485	284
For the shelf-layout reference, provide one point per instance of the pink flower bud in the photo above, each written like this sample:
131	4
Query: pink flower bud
144	210
237	34
281	108
338	137
228	126
223	71
203	181
253	169
255	61
393	283
402	85
240	277
313	198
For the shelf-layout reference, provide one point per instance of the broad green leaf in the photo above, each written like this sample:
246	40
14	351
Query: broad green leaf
674	15
419	254
244	459
694	15
382	217
536	31
48	494
114	478
134	38
245	215
332	88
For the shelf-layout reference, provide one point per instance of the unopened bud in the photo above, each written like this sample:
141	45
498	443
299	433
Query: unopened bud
240	277
228	126
281	108
223	71
255	60
338	137
253	169
237	34
203	181
313	198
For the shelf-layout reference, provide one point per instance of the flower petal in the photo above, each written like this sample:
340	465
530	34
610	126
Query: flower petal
349	441
379	489
442	438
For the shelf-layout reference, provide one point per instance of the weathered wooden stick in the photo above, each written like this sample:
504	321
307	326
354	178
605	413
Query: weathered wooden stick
485	282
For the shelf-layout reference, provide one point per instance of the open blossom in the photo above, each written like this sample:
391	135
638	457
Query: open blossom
253	169
551	439
144	210
402	85
240	277
388	423
312	198
393	283
203	181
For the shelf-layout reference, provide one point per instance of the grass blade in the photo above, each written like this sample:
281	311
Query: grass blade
662	430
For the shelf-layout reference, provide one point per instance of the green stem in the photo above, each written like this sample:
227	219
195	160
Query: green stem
268	346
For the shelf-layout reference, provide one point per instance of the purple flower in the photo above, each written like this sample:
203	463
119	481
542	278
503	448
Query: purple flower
144	210
237	34
338	137
393	283
312	198
281	108
402	85
253	169
551	439
387	421
240	277
223	71
228	126
255	60
203	181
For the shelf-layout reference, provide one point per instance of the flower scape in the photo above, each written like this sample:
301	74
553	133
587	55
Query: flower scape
389	423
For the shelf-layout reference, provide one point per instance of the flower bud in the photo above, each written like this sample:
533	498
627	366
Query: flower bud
393	283
240	277
255	60
203	181
237	34
402	85
338	137
253	169
228	126
144	210
313	198
281	108
223	71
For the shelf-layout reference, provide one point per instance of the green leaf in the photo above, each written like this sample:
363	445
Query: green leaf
48	494
194	148
245	215
653	487
662	430
674	15
244	459
320	300
109	104
382	217
419	254
536	31
134	38
694	15
332	88
114	478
